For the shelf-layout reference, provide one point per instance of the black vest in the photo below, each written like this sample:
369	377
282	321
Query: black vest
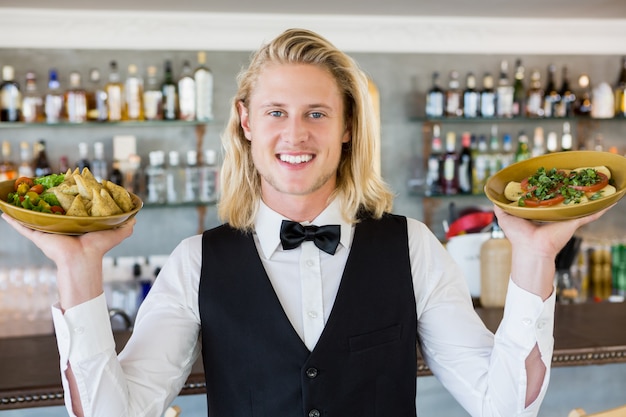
364	363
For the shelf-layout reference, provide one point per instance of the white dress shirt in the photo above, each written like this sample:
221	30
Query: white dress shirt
486	374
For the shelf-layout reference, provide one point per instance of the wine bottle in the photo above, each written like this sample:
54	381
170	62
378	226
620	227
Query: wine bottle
115	94
204	89
523	150
96	98
42	164
32	101
186	94
552	97
434	98
152	96
519	91
170	94
434	167
481	165
450	177
133	95
534	96
471	97
504	92
465	164
75	100
10	96
565	107
454	96
488	97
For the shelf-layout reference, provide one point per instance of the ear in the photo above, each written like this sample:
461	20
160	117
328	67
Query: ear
347	135
244	117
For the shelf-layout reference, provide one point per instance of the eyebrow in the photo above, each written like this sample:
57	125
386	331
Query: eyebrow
309	106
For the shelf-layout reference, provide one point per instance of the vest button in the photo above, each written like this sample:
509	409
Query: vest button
314	413
311	372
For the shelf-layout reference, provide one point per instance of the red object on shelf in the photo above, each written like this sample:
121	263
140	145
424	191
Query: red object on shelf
470	223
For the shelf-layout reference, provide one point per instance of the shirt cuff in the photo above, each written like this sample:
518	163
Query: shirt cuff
83	330
528	320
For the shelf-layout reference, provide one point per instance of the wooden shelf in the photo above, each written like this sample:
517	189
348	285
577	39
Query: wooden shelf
585	334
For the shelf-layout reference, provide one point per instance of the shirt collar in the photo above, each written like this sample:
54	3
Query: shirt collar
267	226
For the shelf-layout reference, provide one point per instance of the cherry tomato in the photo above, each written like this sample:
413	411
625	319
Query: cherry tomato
57	209
604	180
20	180
38	188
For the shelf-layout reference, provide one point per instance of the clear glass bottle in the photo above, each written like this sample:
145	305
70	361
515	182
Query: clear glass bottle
99	166
488	97
114	90
8	168
96	98
566	138
152	96
433	174
75	100
552	98
495	267
471	97
41	162
435	98
507	155
534	96
504	92
192	177
170	93
133	95
26	161
175	179
203	77
519	91
539	144
454	96
155	178
209	177
32	100
10	96
552	142
186	94
523	149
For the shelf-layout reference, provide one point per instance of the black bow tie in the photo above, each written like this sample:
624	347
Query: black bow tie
292	234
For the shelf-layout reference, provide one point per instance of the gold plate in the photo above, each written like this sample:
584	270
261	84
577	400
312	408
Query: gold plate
61	224
494	189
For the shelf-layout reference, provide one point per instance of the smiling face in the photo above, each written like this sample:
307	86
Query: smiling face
295	123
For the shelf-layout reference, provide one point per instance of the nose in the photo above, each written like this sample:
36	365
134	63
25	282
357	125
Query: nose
296	130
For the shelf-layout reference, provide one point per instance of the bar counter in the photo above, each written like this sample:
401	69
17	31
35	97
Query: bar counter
585	334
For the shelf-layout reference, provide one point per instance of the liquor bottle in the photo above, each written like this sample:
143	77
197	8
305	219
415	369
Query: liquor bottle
565	108
133	95
481	166
450	177
32	101
539	145
155	178
170	95
488	97
471	97
83	157
523	150
454	96
99	166
552	97
495	157
96	98
519	91
434	168
192	177
495	267
619	91
534	96
10	96
504	92
26	161
465	164
552	142
434	98
75	100
8	168
175	179
566	138
186	94
41	162
115	94
204	89
53	102
152	96
583	103
507	155
209	177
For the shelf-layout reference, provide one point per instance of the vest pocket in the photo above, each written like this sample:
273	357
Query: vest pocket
376	338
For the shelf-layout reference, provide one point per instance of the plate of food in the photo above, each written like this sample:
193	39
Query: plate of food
73	203
559	186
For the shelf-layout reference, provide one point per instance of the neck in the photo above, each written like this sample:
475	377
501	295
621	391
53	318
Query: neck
300	208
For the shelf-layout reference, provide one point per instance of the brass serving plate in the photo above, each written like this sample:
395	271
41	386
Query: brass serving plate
494	189
61	224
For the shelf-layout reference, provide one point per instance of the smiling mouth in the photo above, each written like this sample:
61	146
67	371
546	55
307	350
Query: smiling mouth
295	159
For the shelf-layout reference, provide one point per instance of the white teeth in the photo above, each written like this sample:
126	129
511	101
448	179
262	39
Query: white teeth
295	159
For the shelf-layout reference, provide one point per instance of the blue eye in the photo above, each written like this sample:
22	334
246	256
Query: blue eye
276	113
317	115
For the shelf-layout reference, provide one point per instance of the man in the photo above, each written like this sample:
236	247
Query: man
289	320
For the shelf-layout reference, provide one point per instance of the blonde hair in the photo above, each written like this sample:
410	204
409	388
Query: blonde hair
360	188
